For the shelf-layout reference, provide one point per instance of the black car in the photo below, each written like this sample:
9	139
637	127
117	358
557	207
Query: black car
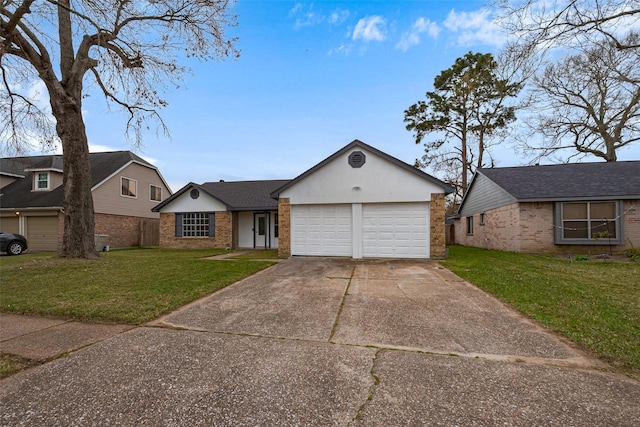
12	244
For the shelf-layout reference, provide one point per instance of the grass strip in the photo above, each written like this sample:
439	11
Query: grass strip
129	286
595	304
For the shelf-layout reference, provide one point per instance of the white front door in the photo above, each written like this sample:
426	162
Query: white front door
261	231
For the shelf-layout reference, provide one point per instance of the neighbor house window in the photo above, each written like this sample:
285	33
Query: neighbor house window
129	187
42	181
482	218
588	222
195	224
155	193
470	225
276	228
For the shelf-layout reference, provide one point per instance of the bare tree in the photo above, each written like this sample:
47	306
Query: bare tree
128	50
541	24
467	111
587	104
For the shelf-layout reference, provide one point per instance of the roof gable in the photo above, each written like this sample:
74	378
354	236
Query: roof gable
359	144
494	187
235	195
18	194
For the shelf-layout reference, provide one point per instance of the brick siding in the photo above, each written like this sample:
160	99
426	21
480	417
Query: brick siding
223	233
122	231
529	228
284	227
437	226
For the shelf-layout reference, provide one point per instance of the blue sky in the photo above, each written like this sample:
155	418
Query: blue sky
312	76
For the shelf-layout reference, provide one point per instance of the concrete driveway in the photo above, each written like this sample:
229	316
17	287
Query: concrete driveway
329	342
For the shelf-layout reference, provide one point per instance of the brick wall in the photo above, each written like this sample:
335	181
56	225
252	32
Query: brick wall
529	228
284	224
631	223
122	231
437	226
223	233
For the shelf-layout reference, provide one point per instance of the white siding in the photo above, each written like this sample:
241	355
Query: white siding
377	181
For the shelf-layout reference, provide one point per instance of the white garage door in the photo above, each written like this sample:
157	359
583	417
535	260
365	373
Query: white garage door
321	230
395	230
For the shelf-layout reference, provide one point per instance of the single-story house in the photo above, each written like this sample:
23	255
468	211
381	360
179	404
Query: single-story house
125	188
359	202
578	207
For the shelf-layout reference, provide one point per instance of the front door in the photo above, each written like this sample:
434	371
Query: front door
261	231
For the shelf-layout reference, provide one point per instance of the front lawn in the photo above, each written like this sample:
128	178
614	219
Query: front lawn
122	286
593	303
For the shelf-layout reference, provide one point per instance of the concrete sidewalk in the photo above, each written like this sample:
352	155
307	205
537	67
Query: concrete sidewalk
329	342
42	339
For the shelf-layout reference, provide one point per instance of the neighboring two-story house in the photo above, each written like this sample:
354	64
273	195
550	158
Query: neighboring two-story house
125	188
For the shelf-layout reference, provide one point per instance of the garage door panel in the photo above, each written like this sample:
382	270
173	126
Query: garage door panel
321	230
395	230
42	233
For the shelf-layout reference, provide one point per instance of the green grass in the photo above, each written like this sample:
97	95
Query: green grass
258	254
124	286
595	304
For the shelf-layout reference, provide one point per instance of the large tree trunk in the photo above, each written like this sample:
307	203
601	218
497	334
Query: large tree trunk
79	223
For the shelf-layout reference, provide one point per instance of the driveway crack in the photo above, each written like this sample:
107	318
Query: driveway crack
344	298
372	388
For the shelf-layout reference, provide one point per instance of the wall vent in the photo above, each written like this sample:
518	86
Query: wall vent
357	159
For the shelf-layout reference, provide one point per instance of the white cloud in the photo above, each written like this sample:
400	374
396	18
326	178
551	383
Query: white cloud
474	28
412	37
97	148
308	17
370	28
343	49
338	16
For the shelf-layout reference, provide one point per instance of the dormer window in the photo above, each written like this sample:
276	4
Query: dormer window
42	180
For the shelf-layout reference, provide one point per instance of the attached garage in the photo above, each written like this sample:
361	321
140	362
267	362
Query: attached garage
362	203
370	230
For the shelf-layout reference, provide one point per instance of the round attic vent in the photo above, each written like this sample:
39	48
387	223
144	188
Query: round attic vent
357	159
194	193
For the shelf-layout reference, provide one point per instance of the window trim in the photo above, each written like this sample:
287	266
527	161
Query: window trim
135	196
36	178
469	224
179	225
151	186
559	239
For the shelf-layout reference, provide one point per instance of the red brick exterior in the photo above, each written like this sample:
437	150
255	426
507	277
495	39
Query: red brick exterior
437	227
121	231
529	227
223	233
284	230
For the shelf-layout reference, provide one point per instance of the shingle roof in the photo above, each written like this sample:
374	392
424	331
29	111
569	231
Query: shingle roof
569	181
19	195
245	195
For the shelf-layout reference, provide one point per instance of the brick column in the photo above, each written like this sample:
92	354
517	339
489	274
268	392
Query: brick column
284	227
437	226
